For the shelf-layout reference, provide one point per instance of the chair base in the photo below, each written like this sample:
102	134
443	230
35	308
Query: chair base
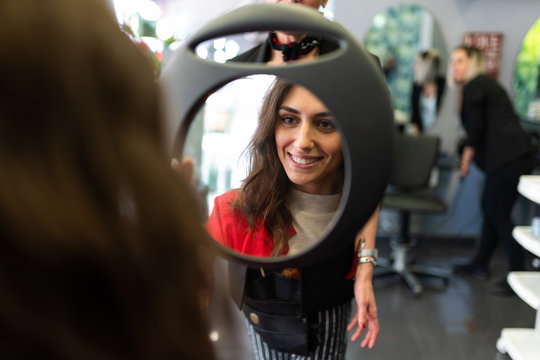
401	266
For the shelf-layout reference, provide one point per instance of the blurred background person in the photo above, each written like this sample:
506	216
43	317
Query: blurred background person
427	90
98	239
500	147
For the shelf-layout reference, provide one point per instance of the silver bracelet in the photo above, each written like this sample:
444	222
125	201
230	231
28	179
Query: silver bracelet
367	259
367	255
374	253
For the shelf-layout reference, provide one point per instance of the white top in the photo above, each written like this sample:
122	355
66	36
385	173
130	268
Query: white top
312	213
428	109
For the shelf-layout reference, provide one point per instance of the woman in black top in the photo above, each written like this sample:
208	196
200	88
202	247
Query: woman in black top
498	145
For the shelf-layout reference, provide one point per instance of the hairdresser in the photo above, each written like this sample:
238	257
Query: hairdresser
499	146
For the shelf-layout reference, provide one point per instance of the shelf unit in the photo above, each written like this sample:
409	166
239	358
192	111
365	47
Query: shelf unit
524	237
524	344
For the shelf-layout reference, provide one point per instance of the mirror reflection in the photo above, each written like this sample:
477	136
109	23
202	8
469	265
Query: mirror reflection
273	47
527	75
409	43
272	185
224	49
220	133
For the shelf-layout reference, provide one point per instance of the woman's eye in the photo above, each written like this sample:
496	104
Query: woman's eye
326	124
288	120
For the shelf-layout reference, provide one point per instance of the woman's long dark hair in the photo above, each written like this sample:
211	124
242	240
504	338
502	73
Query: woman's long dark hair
264	191
98	239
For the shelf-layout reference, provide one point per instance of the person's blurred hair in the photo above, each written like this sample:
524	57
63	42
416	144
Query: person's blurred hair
428	66
477	63
98	239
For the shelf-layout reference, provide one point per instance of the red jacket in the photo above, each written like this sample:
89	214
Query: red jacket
323	285
230	228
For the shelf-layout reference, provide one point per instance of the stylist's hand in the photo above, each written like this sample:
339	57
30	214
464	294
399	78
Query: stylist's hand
183	169
366	309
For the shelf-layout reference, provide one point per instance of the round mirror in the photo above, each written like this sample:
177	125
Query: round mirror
351	96
262	136
409	43
527	75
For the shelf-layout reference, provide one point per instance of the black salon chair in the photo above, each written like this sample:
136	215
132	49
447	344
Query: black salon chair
409	192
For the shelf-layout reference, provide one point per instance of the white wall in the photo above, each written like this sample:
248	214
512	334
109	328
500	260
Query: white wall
513	18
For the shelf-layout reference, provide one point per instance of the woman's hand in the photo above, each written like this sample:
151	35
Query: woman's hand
466	158
366	309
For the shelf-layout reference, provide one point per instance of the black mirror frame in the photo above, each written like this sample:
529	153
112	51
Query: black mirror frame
349	81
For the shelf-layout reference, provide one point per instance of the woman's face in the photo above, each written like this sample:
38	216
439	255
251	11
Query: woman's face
308	143
316	4
459	64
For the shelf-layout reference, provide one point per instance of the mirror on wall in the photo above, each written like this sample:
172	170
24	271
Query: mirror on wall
527	75
408	41
308	160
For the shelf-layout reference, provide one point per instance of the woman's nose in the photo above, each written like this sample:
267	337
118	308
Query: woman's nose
304	138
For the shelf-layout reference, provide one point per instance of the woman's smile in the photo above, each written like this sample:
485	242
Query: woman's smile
308	143
304	160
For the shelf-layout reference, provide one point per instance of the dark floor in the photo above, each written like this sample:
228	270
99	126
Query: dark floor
459	321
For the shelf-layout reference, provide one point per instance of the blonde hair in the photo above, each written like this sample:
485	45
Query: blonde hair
477	63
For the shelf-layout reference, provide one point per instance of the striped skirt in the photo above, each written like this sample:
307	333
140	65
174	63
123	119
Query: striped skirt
333	323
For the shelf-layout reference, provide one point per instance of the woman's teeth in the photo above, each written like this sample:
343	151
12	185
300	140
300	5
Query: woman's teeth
303	161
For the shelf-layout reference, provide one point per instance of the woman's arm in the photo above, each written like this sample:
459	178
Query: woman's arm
466	158
366	309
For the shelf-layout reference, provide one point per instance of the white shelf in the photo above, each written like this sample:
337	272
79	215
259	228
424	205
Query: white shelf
529	186
524	344
526	284
523	236
520	344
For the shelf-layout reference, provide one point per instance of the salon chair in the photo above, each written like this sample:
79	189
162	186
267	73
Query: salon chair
410	192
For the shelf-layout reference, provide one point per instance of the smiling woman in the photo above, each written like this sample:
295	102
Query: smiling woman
284	206
296	146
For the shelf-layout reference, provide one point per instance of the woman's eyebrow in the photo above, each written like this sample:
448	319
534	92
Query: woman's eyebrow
294	111
289	109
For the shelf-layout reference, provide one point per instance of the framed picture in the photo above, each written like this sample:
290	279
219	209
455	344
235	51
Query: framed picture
491	45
